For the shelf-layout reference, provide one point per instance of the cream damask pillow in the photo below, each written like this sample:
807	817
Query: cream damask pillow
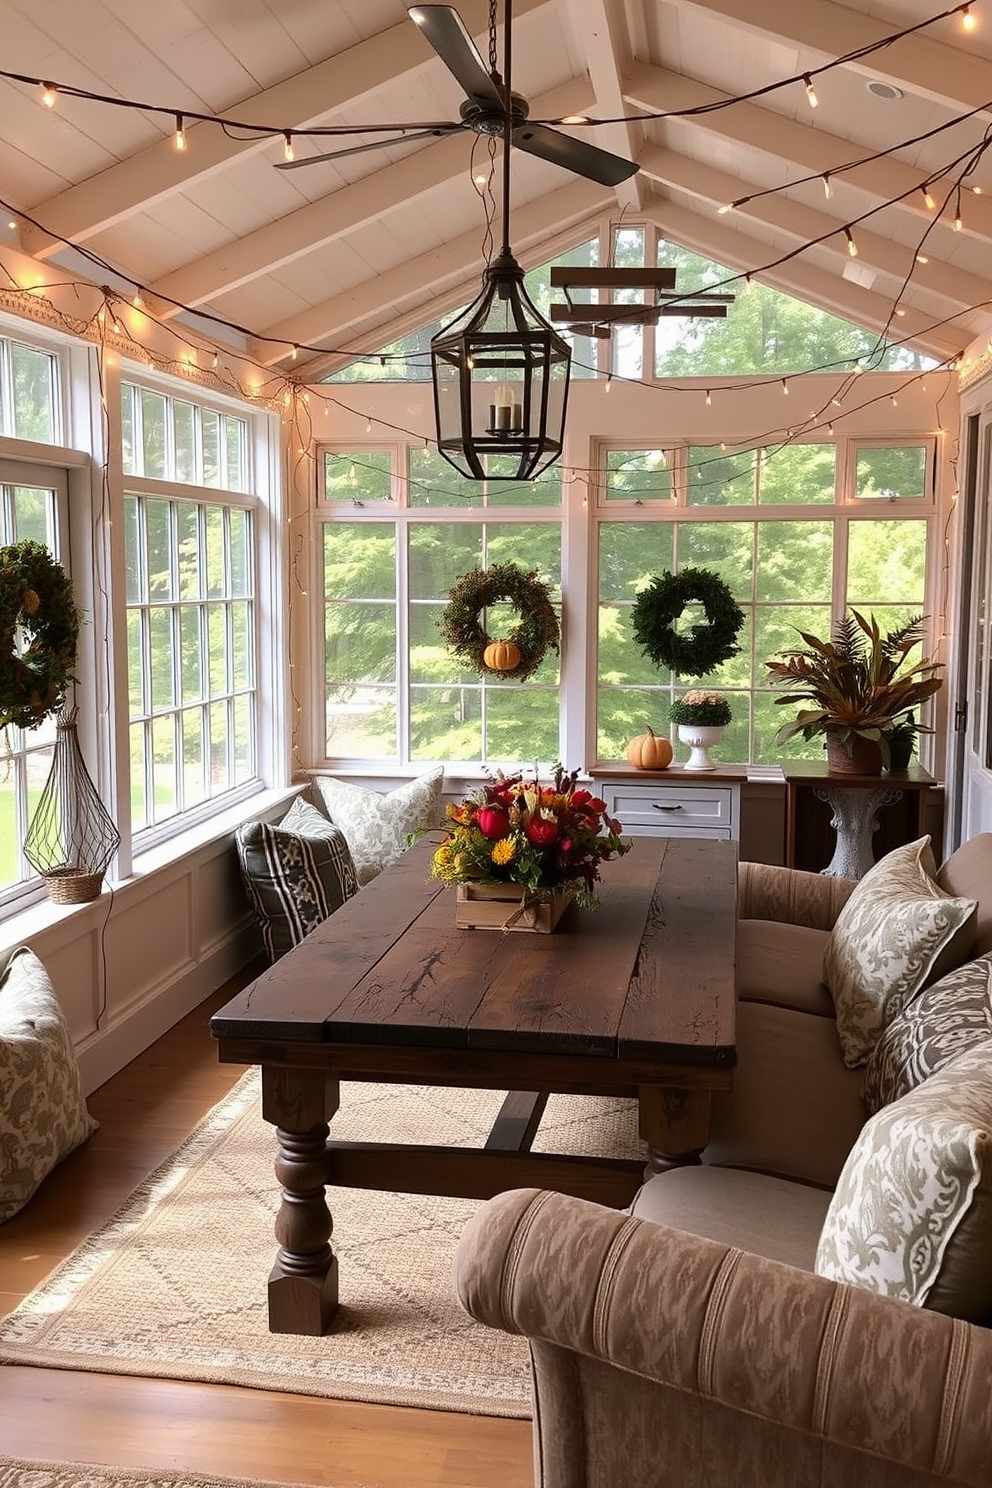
897	932
376	827
43	1115
911	1216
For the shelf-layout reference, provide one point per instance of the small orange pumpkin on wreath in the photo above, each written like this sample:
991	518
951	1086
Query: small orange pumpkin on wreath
37	609
517	655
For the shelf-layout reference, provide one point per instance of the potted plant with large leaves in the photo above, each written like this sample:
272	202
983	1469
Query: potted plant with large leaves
857	684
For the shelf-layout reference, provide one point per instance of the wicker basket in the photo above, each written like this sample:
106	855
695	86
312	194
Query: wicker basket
73	885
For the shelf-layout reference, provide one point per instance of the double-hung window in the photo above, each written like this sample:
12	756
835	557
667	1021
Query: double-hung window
189	535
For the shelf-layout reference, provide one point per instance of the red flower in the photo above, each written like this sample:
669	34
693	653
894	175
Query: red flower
580	797
493	822
540	831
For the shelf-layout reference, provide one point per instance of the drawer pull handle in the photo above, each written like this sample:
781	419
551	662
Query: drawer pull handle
659	807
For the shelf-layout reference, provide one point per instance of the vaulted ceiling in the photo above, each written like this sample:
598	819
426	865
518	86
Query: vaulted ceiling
348	253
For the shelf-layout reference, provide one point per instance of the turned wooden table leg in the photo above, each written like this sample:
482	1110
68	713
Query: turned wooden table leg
675	1124
303	1283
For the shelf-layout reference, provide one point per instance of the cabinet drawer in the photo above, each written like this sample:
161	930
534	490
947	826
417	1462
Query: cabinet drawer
674	810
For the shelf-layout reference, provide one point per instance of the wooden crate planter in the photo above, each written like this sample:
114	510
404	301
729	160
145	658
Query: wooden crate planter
487	906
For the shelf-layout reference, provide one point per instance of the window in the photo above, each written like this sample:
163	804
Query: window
29	392
393	691
28	510
784	572
191	613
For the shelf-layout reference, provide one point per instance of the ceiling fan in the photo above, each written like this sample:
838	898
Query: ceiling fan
484	110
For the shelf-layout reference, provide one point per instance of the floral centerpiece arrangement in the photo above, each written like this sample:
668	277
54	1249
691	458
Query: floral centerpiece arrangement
544	837
701	709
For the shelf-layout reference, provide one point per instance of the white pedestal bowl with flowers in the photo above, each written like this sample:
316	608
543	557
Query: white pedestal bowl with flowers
520	850
701	718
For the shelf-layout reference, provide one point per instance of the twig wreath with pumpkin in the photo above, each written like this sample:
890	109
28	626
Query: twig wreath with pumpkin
35	599
518	654
700	649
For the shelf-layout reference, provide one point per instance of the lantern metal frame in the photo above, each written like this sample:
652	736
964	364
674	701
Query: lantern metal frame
500	370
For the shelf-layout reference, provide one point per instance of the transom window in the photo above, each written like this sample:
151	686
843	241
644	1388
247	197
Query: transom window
30	404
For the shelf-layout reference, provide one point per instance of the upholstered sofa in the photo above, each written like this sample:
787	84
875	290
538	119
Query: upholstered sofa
691	1342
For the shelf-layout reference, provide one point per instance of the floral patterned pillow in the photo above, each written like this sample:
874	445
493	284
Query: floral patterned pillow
43	1115
897	932
377	826
911	1216
940	1023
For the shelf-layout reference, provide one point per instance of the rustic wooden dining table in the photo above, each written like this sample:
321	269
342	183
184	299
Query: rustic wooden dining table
635	998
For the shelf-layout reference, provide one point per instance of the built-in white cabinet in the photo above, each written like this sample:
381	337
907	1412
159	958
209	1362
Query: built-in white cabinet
672	802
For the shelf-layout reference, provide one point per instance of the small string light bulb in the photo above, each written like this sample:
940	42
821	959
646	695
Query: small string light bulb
295	352
921	258
709	400
958	221
368	426
49	95
968	21
895	402
726	207
810	90
830	428
928	200
828	190
785	386
288	153
180	137
852	246
609	381
900	311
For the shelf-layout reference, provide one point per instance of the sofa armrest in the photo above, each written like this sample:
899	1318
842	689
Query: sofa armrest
735	1369
767	892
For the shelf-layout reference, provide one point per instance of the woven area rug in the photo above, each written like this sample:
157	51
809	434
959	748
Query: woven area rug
17	1472
174	1284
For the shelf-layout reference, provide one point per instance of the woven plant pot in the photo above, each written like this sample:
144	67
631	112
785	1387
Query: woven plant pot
864	758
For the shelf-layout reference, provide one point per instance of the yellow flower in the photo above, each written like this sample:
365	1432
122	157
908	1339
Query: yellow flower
504	851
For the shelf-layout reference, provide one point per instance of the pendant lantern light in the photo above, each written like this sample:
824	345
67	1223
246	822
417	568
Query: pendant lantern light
500	370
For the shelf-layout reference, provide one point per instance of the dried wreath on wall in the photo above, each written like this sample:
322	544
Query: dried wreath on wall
35	599
697	651
518	654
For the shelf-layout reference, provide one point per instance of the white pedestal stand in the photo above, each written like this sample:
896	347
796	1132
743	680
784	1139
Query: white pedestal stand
855	820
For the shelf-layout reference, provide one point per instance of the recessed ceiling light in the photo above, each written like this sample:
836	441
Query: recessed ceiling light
888	91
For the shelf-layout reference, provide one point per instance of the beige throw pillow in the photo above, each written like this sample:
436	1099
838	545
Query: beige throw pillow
376	827
911	1216
43	1115
897	932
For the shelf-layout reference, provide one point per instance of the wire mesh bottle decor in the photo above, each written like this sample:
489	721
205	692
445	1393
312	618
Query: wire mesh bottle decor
71	838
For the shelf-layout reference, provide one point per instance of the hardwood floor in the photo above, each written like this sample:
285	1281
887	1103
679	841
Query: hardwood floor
144	1112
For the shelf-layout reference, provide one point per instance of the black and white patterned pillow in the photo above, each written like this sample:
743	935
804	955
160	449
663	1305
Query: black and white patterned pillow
295	874
940	1023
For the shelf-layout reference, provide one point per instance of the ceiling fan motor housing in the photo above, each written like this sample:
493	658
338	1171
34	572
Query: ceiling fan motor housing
483	118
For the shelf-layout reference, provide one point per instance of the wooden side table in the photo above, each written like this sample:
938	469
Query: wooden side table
856	806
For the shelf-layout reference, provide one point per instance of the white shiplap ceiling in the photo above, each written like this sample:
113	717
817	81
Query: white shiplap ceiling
337	255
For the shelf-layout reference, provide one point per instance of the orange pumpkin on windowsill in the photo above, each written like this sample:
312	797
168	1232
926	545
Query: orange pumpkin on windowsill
650	751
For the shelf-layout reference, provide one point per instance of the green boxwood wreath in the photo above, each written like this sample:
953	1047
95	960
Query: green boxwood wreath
697	651
35	598
537	632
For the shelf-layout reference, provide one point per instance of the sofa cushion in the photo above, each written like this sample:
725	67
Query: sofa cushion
911	1217
377	826
767	1216
295	874
43	1115
897	932
782	964
794	1109
968	875
942	1021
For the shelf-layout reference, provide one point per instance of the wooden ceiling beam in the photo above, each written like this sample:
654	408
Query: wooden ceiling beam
946	287
314	227
814	151
949	75
158	171
602	32
377	301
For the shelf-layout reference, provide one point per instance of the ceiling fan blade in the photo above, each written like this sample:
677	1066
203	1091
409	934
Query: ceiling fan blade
400	139
445	30
575	155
